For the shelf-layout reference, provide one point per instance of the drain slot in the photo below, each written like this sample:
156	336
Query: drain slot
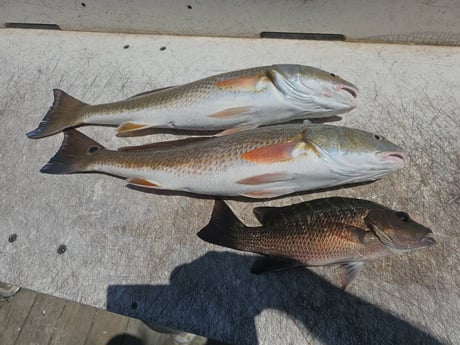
32	26
302	36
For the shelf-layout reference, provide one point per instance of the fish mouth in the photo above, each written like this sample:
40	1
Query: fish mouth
395	156
353	92
428	240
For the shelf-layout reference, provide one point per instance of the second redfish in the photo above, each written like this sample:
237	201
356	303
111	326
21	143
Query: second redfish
264	162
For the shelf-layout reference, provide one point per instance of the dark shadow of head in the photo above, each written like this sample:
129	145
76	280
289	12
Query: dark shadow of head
125	339
217	297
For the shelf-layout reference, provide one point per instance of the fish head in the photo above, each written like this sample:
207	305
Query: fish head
397	231
354	155
314	90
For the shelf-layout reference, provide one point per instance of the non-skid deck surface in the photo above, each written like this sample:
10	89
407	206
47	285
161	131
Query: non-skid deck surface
137	253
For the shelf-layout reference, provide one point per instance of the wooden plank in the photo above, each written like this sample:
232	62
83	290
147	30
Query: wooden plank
13	313
145	334
39	324
74	324
107	328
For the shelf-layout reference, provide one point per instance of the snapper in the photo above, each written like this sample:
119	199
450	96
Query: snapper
320	232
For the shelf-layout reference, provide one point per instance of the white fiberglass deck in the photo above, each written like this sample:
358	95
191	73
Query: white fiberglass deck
137	253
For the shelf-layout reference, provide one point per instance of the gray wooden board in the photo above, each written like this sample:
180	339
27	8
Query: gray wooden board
73	325
13	313
41	321
107	327
126	246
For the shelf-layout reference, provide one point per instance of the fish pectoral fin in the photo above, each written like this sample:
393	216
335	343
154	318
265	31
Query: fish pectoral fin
236	129
129	127
268	193
274	153
273	263
252	83
349	271
141	182
233	112
268	178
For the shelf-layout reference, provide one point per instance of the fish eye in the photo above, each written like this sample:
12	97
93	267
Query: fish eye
93	149
378	137
333	75
403	216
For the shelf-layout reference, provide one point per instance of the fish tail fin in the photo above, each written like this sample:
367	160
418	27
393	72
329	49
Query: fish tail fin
64	113
224	228
76	154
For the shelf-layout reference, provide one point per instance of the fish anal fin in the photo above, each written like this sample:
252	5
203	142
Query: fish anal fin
274	153
273	263
232	112
236	129
267	178
248	83
128	127
268	193
349	271
138	181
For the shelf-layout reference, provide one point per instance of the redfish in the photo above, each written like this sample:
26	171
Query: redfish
231	102
319	232
264	162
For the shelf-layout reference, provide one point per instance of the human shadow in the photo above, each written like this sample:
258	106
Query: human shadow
216	296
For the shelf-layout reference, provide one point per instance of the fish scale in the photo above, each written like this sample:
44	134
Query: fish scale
228	102
260	163
319	232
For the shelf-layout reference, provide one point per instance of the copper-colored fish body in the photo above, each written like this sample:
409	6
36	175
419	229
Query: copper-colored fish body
318	232
260	163
231	102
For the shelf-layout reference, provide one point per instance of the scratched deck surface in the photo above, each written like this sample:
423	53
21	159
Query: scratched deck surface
128	248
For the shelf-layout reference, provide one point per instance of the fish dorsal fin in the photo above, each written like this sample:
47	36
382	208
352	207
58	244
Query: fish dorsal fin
164	145
266	214
273	263
349	271
151	92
